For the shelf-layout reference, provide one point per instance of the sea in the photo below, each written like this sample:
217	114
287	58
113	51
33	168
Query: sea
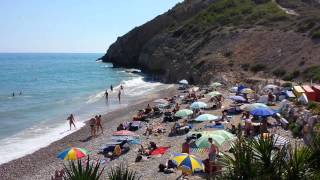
38	91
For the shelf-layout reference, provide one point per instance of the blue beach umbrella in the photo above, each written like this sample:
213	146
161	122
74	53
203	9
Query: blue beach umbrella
206	117
198	105
262	112
237	98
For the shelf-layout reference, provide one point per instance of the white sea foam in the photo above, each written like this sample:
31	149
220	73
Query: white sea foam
32	139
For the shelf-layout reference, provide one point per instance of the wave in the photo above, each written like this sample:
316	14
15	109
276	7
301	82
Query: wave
23	143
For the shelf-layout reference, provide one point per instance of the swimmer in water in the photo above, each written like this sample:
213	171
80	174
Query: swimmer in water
107	95
111	87
13	94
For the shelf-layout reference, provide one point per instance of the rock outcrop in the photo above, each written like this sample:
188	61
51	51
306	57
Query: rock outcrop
201	40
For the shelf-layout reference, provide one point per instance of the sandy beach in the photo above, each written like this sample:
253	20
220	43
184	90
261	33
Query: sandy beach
43	163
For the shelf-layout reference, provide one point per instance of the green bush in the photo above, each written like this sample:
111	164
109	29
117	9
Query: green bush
78	171
279	72
245	67
257	68
316	33
122	172
295	74
312	72
288	84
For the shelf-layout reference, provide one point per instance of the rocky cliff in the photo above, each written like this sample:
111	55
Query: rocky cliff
201	40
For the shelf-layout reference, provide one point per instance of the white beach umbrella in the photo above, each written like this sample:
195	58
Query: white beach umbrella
183	81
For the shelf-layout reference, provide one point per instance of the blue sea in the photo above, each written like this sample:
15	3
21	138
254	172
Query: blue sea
52	86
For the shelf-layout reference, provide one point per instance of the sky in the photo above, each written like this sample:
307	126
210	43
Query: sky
72	25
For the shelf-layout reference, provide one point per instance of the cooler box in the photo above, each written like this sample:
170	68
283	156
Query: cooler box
309	93
298	91
316	89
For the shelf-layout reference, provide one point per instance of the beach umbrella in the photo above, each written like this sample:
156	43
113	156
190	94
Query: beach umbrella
262	112
183	81
161	101
124	133
237	98
247	91
203	142
214	94
215	84
183	113
270	86
250	107
188	163
219	137
234	89
73	153
198	105
207	117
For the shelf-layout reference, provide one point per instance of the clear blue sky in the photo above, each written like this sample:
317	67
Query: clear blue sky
71	25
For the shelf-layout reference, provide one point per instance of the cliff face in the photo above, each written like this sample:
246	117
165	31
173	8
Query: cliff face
199	40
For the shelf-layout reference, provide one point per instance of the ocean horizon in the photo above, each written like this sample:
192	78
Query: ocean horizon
52	86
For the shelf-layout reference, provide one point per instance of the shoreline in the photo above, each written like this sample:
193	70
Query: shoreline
30	166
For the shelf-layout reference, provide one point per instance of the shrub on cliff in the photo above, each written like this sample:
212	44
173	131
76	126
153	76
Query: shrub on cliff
258	67
279	72
312	73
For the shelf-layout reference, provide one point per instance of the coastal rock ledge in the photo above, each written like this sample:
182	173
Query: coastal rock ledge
200	40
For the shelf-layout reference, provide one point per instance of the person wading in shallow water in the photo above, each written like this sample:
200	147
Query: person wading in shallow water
71	121
111	87
119	96
107	95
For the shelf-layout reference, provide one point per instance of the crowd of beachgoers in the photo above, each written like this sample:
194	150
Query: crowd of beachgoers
177	134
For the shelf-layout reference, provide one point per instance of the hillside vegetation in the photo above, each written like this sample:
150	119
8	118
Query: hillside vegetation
202	40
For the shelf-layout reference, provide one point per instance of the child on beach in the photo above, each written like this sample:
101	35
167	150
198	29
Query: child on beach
71	121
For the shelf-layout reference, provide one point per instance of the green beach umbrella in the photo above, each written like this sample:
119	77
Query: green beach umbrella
206	117
250	107
198	105
214	94
215	84
183	113
219	137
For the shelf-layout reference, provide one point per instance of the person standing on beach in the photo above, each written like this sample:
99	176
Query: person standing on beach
71	121
92	124
119	96
121	87
111	87
186	146
98	124
107	95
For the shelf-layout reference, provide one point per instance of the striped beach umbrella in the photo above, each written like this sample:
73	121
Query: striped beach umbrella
188	163
73	153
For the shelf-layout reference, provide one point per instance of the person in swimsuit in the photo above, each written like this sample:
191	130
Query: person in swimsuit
107	95
98	124
92	124
71	121
111	87
119	96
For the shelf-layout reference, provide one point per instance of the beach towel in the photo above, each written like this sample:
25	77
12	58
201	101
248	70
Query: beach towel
214	126
159	150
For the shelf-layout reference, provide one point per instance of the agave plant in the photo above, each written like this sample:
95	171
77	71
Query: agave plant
122	172
298	163
239	165
78	171
269	161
